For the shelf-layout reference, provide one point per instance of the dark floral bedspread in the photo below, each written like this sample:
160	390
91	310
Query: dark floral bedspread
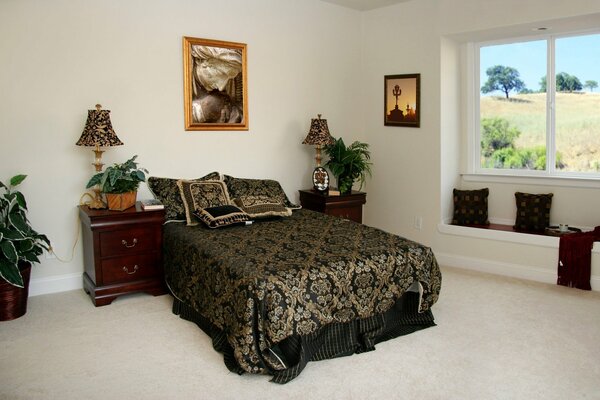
268	281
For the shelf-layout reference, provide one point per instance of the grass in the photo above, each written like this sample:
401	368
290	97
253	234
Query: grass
577	124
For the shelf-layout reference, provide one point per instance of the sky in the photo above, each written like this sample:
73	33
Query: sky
578	55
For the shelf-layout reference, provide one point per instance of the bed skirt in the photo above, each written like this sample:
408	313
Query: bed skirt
331	341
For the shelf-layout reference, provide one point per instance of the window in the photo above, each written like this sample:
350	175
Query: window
526	124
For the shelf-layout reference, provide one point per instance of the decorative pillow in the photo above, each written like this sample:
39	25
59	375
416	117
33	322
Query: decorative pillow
471	207
533	211
219	216
239	187
262	207
167	192
197	195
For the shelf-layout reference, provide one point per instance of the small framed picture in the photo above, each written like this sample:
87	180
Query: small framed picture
215	85
402	100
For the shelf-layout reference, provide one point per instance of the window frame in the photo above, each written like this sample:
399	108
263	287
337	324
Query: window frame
551	175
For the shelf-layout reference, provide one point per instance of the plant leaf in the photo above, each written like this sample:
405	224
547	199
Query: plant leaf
16	180
10	273
9	251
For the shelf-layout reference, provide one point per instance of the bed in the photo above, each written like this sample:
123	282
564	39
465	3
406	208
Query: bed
282	292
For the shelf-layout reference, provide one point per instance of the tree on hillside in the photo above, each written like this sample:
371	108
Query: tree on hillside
591	85
567	83
543	84
502	78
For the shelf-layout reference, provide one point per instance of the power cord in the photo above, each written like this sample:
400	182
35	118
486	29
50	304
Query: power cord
51	249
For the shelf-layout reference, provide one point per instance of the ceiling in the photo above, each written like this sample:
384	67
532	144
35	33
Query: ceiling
364	5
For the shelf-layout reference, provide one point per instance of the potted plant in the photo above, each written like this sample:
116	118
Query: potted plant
20	245
348	164
119	183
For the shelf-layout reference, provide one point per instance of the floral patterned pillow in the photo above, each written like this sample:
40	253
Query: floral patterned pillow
197	195
167	192
262	207
239	187
221	216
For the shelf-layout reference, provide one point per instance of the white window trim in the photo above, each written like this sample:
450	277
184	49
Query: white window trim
550	176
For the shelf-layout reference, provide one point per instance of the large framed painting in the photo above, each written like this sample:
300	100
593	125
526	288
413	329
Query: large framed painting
215	85
402	100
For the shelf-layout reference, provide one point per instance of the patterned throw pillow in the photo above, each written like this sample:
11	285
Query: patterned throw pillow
471	207
197	195
262	207
239	187
167	192
220	216
533	211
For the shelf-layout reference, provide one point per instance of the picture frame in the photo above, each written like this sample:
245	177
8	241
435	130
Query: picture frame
398	91
215	85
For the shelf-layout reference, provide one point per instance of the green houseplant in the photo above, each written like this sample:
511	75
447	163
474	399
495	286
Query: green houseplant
119	182
20	245
348	164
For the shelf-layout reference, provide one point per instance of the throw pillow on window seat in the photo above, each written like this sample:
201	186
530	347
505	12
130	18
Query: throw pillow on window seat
470	207
533	211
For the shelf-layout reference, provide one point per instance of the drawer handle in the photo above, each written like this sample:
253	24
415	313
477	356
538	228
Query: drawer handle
135	269
124	243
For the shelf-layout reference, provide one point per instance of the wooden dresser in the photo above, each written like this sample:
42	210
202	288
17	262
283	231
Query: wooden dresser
122	252
347	206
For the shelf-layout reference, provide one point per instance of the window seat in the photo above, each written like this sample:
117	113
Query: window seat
505	233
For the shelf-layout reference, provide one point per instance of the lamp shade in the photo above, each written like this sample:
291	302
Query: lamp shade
98	130
319	133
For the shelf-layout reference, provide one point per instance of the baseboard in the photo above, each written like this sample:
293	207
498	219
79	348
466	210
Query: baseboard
55	284
505	269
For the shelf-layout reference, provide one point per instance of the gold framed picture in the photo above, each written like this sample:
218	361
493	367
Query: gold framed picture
215	86
402	100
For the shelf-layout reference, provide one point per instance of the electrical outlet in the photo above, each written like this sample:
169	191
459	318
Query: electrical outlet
418	224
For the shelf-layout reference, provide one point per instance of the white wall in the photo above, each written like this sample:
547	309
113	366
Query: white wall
59	58
415	169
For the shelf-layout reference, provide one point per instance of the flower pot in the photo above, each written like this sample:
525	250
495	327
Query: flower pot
13	300
120	201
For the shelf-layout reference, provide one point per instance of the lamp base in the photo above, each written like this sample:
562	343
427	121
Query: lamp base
97	203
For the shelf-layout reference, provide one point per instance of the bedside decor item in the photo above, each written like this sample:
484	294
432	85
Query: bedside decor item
20	245
151	204
402	97
533	211
319	136
215	85
119	183
470	207
98	132
348	164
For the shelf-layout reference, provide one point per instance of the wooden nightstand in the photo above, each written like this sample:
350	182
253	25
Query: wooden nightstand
122	252
347	206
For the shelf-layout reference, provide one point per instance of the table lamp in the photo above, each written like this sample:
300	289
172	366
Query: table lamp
319	136
98	132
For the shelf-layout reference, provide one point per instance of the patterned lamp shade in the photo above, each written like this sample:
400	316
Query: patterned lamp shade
319	133
98	130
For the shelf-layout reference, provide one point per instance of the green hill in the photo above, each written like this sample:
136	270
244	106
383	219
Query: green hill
577	124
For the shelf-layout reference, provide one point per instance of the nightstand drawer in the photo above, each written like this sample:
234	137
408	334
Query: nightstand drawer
351	213
129	241
129	268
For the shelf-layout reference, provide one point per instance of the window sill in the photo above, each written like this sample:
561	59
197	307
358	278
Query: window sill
505	236
578	182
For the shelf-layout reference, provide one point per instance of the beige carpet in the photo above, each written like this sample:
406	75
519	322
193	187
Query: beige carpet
497	338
